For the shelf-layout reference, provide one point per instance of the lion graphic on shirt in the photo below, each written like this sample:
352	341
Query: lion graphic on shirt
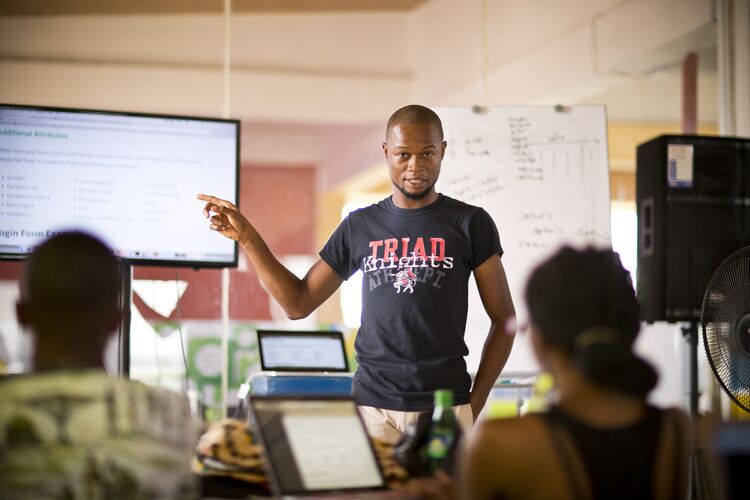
405	280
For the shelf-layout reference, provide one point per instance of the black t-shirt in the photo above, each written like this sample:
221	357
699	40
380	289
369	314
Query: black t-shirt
416	265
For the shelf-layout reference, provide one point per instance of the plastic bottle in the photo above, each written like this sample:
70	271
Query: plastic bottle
442	431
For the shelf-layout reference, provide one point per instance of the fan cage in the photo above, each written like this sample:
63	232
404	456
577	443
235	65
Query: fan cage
725	304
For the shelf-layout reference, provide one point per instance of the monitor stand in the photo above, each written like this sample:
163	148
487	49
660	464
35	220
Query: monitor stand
123	332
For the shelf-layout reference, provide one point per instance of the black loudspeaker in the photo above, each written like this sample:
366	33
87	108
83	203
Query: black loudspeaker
693	204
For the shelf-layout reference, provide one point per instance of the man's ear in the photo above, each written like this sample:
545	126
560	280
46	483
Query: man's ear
385	149
22	314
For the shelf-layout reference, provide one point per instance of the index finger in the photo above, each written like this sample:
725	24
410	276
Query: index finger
216	201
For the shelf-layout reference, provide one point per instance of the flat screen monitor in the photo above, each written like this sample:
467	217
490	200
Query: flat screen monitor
128	178
302	351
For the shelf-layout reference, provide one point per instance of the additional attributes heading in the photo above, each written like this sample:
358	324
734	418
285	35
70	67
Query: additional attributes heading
34	133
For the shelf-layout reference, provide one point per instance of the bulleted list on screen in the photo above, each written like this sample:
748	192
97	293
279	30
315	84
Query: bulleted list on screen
131	180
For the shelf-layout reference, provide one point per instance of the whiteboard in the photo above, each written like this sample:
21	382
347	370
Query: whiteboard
542	174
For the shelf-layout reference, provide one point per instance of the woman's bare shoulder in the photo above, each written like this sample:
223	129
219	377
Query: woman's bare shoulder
503	425
513	435
505	456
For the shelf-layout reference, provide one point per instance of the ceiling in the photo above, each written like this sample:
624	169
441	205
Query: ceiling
329	71
109	7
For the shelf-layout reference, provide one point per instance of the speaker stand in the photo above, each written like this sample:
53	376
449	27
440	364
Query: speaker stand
699	487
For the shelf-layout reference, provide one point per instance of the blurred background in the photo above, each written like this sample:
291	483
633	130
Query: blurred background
313	82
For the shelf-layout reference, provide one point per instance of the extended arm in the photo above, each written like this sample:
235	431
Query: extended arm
298	297
495	294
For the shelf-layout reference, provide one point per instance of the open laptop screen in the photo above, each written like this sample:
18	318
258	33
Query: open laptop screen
315	445
316	351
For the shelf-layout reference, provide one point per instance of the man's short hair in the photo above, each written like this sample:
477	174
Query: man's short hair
414	114
72	274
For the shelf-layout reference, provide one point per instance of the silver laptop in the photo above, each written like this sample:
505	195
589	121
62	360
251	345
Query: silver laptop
302	351
316	446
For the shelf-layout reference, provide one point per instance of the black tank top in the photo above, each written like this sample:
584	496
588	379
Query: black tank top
619	462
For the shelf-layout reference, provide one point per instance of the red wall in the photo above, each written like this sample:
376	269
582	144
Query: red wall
10	270
280	202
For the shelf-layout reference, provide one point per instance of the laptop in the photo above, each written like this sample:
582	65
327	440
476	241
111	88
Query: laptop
302	351
316	446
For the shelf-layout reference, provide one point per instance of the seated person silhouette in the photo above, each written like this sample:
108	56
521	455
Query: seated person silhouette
68	430
600	439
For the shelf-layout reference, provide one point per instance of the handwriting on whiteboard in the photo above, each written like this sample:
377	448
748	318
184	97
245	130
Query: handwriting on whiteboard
543	177
468	188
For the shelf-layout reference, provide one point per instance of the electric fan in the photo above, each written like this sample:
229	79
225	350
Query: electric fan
725	318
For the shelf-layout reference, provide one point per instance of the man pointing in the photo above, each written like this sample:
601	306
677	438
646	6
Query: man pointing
416	249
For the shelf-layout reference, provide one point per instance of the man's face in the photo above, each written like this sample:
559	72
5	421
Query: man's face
413	153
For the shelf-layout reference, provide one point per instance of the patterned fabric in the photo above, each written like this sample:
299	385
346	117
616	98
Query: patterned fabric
85	435
228	448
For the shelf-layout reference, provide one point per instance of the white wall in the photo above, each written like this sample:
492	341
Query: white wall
663	345
547	51
300	67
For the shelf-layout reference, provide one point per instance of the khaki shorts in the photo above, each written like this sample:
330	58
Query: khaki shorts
390	425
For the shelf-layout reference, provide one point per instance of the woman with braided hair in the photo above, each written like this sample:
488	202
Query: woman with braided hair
600	439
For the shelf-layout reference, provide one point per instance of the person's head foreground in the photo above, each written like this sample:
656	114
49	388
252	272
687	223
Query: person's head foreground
69	293
414	149
582	306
